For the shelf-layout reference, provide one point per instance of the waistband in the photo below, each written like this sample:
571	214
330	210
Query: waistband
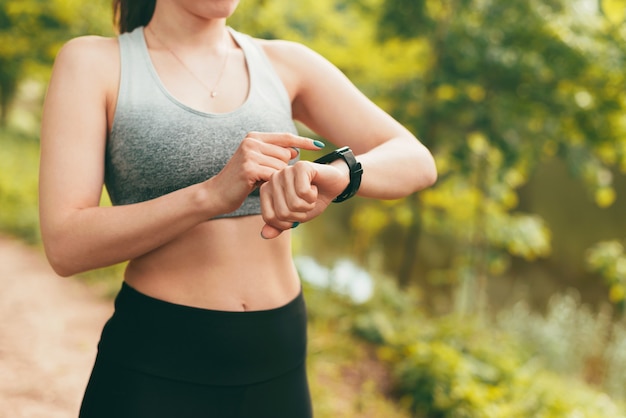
201	345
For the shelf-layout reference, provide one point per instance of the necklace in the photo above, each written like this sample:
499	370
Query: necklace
212	90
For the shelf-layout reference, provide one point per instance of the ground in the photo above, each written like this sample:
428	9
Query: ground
49	330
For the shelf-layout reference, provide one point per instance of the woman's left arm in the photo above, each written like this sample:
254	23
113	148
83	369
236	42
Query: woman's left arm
395	163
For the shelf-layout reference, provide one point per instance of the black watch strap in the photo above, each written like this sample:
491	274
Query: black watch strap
356	171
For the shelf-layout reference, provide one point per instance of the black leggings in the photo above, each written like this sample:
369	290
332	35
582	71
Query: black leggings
162	360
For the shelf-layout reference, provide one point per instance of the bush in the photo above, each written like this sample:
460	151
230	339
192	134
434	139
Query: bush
458	367
469	372
573	341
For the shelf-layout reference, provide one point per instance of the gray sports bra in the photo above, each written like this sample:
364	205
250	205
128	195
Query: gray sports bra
158	145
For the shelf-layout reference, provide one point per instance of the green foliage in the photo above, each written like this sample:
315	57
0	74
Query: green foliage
348	29
609	260
346	378
32	31
19	159
459	367
507	85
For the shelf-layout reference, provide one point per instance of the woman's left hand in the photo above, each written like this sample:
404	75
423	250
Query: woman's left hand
299	193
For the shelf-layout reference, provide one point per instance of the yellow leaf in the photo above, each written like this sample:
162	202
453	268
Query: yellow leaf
617	293
614	10
605	197
446	92
478	143
476	93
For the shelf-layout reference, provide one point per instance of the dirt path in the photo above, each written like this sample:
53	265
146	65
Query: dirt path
49	328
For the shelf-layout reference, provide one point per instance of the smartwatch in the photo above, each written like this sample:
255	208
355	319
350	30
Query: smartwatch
356	171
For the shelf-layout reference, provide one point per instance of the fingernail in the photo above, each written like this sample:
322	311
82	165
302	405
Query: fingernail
318	144
262	236
295	225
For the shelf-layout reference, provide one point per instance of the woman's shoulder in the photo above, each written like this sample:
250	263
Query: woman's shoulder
282	50
89	51
293	57
89	61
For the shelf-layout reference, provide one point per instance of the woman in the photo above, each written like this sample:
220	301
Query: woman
190	126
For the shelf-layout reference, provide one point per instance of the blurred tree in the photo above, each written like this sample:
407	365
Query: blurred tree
507	85
32	31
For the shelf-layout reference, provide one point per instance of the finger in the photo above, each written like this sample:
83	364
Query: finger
275	213
298	194
255	145
260	172
290	195
275	228
305	172
268	210
288	140
269	232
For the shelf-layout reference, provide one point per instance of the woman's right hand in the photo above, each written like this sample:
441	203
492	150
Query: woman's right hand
259	155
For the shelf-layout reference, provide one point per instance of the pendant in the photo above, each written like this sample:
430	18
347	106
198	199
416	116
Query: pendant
213	94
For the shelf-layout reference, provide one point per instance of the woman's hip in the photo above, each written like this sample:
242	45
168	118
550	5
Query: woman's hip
201	345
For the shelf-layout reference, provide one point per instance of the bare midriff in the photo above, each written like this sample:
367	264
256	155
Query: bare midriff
222	264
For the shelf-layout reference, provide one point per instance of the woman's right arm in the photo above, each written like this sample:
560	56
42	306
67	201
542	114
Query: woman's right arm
78	235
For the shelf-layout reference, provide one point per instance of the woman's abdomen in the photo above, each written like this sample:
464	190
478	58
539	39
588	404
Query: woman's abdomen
222	264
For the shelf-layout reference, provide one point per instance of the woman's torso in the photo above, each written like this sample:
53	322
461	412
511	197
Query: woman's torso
223	263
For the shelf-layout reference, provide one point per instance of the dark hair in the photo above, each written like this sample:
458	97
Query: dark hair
130	14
